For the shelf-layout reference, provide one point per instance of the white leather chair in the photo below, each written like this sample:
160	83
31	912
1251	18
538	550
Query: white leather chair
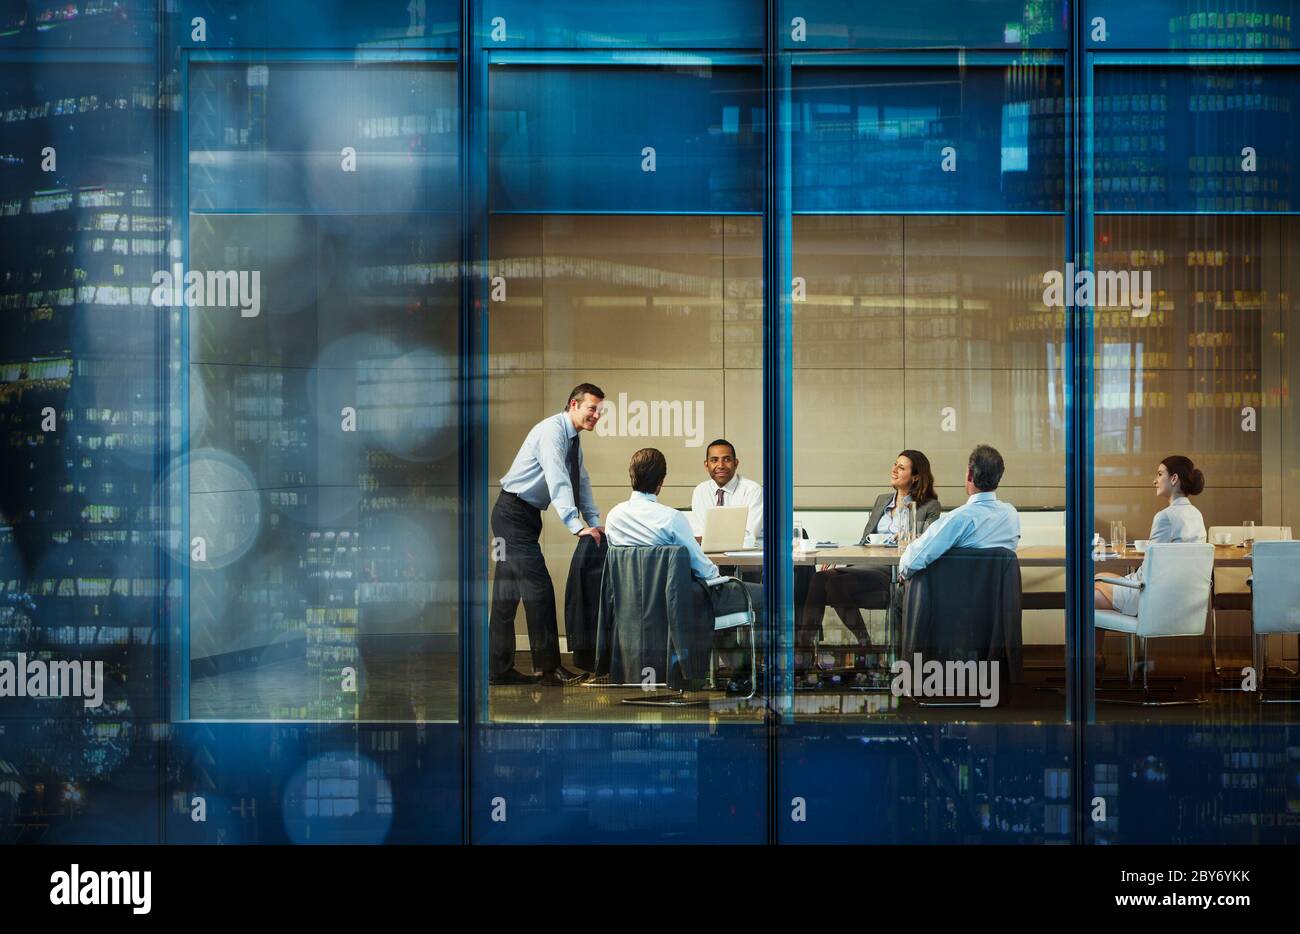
1276	606
1231	590
1175	600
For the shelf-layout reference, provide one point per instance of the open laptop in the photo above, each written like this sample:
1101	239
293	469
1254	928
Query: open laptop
724	528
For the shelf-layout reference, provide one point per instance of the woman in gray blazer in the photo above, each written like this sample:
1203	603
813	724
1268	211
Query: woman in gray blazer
849	589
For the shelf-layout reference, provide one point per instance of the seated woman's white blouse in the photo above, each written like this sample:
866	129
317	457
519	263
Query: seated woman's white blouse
1180	521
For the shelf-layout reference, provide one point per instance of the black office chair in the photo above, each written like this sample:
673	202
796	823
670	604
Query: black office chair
655	616
965	607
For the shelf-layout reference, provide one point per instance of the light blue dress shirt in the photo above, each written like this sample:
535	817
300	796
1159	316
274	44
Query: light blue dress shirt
1180	521
891	520
983	522
540	474
643	520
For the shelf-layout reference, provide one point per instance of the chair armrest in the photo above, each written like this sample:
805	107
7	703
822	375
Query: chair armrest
734	619
1120	582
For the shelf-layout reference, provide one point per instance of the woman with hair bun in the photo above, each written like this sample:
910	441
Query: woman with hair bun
1176	479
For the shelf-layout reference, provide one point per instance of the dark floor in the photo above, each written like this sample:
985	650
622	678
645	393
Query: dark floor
407	686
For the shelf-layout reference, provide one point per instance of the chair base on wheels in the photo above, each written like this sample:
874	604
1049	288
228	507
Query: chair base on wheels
673	699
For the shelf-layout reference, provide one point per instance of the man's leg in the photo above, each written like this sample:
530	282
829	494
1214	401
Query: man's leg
522	575
533	584
505	595
538	594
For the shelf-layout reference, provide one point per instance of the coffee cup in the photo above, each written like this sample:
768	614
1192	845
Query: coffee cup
878	538
1141	545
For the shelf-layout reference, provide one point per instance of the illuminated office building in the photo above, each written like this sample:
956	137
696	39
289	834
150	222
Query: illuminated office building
824	237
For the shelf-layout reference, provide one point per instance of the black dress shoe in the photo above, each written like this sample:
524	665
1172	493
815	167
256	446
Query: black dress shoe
513	676
560	676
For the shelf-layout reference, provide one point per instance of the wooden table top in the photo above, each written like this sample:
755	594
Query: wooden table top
1030	556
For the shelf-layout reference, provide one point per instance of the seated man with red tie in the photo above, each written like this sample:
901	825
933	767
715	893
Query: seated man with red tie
726	487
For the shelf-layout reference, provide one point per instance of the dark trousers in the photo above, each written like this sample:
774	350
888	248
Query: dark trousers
521	575
727	643
845	589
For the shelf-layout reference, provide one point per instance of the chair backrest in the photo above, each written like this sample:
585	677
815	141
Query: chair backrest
1276	604
637	577
648	598
1176	592
1237	533
966	605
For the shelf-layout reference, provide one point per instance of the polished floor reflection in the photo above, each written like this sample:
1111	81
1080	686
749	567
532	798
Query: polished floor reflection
1180	674
396	682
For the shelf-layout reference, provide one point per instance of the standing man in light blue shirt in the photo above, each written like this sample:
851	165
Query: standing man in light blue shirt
983	521
547	471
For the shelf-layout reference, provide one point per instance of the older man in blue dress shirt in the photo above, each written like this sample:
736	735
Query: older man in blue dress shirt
548	471
983	521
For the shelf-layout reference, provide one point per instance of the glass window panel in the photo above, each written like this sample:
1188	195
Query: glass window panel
1196	366
322	422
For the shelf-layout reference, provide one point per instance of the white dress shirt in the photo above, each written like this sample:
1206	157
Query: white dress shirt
984	521
540	473
739	491
643	520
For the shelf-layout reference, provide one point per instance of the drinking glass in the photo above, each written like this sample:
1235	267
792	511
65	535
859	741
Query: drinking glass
1249	536
1117	537
906	524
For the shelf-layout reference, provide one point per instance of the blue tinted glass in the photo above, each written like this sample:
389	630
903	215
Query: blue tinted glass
928	139
272	136
670	24
1229	25
1195	139
879	24
625	139
309	24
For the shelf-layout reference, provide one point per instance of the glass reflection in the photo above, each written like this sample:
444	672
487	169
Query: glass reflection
322	542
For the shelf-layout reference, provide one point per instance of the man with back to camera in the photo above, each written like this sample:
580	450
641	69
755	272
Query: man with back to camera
548	470
726	487
983	521
643	520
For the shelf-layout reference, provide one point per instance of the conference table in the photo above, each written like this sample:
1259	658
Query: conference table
1043	556
1225	556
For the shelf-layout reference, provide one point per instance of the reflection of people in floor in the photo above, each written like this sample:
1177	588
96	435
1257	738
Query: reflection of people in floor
1176	479
548	470
643	520
851	588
